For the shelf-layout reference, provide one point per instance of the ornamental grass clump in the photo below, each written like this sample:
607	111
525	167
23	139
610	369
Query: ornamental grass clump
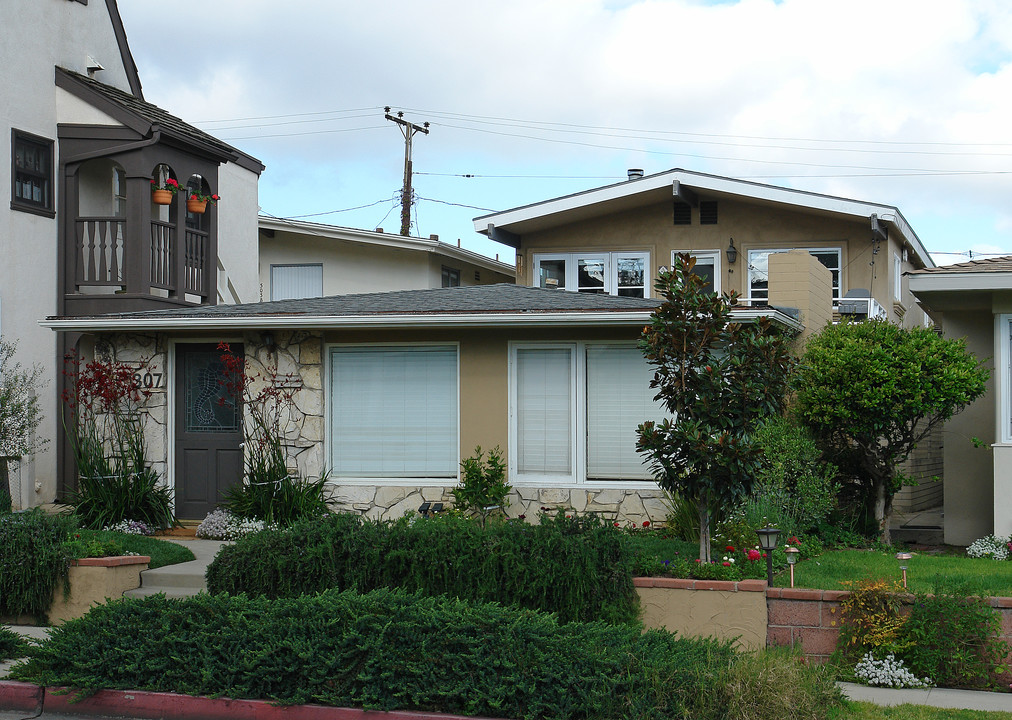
578	567
34	559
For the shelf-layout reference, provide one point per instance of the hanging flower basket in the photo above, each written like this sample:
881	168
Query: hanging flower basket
161	197
196	206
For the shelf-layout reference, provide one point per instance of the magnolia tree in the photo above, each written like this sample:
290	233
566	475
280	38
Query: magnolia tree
20	413
872	390
718	379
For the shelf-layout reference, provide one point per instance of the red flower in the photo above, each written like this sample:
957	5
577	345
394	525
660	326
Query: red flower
615	524
730	547
764	554
172	181
569	517
726	564
697	559
646	523
215	198
753	555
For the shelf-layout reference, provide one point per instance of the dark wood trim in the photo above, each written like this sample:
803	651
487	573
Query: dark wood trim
124	48
47	210
66	81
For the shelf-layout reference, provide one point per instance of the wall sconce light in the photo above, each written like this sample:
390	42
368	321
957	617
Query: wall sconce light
904	558
768	542
732	252
268	340
792	560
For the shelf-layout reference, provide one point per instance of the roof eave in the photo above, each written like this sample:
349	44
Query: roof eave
960	282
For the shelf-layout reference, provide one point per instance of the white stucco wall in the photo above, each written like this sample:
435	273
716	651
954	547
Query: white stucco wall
30	102
237	234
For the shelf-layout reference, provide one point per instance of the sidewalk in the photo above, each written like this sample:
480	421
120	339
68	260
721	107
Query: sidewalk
932	697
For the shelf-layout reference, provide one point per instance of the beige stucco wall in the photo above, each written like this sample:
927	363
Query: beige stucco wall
799	280
754	226
969	479
724	614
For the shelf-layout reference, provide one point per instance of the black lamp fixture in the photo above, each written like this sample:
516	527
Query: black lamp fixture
768	542
268	340
732	252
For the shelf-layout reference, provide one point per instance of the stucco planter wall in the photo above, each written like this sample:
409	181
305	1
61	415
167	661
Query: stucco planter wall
92	581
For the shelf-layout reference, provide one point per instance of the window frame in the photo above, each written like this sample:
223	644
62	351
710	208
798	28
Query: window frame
47	208
579	421
328	408
837	289
611	258
897	278
294	265
704	254
447	275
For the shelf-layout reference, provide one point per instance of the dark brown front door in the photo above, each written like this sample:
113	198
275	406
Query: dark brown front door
208	431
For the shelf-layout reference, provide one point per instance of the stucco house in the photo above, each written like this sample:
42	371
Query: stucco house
82	234
301	259
973	300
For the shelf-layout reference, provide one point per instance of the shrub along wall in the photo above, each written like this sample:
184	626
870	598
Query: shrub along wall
387	650
578	567
33	561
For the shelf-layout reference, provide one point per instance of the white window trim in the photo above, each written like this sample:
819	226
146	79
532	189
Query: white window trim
1003	377
328	428
295	265
748	270
578	409
611	268
718	275
897	278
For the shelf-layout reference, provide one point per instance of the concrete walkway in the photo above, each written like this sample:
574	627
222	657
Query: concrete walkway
183	579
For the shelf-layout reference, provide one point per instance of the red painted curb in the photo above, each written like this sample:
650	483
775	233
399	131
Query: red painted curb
170	706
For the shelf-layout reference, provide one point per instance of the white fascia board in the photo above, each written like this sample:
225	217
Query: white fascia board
712	183
390	240
448	320
957	282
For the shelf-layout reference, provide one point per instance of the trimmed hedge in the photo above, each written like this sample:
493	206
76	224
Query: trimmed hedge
384	650
577	567
12	645
33	560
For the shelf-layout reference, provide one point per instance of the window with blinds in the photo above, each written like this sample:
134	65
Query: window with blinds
394	412
544	411
293	282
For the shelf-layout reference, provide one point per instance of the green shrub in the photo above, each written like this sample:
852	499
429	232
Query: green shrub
100	501
277	498
12	645
577	567
955	639
385	650
482	483
6	504
33	561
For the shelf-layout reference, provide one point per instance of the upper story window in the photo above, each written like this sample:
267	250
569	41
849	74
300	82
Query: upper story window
292	282
31	173
450	277
614	273
759	270
707	267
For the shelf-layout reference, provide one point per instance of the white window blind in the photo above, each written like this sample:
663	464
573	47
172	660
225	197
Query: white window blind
545	409
292	282
619	398
394	412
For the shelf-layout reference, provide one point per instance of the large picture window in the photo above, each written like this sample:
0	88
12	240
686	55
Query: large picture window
393	412
575	408
613	273
31	173
759	271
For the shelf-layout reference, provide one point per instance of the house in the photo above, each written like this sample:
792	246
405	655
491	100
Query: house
973	300
307	259
614	239
392	389
82	234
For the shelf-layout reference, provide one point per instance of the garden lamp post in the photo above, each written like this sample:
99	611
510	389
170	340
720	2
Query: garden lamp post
768	542
792	559
904	558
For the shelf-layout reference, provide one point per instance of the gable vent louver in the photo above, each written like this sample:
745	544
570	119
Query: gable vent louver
683	213
708	212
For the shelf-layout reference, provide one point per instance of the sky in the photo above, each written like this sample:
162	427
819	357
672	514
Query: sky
900	102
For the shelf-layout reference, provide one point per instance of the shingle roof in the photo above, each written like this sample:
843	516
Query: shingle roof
987	265
151	113
500	298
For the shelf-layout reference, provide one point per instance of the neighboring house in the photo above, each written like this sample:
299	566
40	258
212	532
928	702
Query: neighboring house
616	238
973	300
82	235
304	260
393	389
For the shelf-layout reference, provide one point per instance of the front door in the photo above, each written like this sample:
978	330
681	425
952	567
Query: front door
208	431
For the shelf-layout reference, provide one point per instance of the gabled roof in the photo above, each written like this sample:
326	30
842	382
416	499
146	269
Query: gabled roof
370	237
124	49
501	305
145	118
661	187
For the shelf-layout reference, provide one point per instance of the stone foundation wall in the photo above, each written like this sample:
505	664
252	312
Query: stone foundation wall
391	502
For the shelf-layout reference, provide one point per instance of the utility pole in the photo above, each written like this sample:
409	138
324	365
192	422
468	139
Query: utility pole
408	130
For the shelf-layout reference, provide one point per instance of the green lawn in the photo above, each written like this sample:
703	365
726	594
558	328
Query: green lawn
868	711
162	552
829	570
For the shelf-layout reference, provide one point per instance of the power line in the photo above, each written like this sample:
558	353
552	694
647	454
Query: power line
312	132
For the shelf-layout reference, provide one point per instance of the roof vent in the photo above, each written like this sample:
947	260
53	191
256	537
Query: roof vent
635	173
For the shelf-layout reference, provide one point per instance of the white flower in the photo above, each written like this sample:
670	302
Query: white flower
888	673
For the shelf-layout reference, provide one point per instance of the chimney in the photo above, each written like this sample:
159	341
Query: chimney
635	173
